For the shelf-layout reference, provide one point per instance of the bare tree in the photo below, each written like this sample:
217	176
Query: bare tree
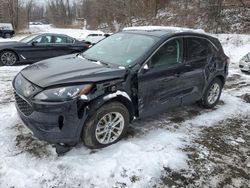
59	12
28	8
13	11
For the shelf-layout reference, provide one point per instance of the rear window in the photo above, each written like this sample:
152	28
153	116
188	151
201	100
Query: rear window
198	48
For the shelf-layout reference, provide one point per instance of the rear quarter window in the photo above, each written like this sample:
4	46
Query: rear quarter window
70	40
198	48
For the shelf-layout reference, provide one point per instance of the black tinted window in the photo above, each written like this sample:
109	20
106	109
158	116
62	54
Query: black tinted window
198	48
168	55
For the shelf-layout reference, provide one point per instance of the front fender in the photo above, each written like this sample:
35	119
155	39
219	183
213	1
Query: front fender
120	96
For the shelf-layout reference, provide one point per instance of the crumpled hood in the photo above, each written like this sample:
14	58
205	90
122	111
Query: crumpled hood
69	69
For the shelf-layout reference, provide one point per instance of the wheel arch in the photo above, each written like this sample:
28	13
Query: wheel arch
119	96
221	78
127	103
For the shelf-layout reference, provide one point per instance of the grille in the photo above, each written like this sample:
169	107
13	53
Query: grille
24	107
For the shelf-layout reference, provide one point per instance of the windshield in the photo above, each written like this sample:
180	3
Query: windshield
121	48
28	38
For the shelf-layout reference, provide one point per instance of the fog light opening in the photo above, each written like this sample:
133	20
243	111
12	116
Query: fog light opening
60	122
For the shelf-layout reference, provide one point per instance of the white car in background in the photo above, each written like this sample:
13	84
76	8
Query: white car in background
245	63
92	36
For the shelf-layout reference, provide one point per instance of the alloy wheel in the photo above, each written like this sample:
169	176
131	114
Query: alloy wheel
8	58
109	128
213	93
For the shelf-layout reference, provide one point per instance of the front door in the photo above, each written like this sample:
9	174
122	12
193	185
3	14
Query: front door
39	49
160	82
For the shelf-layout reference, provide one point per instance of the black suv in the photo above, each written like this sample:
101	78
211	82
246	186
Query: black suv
94	96
6	30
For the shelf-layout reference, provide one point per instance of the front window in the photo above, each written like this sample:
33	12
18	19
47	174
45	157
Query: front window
44	39
28	39
170	54
121	49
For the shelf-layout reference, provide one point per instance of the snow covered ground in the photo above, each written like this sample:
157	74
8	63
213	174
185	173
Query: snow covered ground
79	34
187	147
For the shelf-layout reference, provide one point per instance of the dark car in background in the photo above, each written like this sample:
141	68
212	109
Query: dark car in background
94	96
6	30
38	47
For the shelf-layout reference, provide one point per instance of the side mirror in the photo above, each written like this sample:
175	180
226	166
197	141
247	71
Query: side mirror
34	43
145	68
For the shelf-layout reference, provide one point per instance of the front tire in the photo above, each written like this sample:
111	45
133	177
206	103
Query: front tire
8	58
107	126
212	94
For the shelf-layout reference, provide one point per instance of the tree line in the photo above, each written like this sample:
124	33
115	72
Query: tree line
112	15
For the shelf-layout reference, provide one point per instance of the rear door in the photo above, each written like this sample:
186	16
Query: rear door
62	45
197	55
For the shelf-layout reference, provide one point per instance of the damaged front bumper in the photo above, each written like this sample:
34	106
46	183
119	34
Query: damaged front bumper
54	122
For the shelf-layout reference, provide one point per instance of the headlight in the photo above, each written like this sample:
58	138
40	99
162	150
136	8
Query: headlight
24	87
63	93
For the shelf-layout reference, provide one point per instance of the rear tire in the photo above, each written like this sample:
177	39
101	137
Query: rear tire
107	126
212	94
8	58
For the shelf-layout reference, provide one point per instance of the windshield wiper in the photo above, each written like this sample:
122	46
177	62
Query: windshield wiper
96	61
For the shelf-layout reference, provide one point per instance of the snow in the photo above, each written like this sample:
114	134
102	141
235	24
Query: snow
142	157
164	28
233	107
235	46
80	34
136	161
117	93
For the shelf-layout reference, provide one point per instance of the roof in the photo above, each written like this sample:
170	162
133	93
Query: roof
161	30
